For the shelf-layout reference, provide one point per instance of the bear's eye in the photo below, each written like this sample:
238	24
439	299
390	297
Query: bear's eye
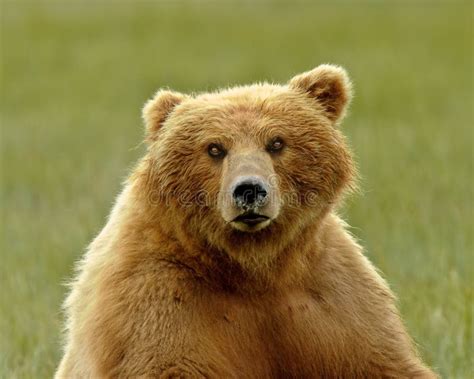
216	151
275	145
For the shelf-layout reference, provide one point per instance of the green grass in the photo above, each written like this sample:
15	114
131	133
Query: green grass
75	75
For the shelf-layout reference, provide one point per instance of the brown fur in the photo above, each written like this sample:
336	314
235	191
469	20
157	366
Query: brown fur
170	289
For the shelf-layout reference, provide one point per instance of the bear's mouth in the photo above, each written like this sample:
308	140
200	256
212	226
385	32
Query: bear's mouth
251	218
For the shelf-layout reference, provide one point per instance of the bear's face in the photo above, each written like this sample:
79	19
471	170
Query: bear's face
249	167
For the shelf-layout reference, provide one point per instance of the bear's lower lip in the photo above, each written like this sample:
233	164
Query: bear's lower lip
251	219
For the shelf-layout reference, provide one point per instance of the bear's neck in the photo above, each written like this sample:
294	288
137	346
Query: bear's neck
231	272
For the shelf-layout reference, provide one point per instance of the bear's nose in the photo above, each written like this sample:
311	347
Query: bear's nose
250	193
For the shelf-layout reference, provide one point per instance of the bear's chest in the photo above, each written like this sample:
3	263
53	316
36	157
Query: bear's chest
285	335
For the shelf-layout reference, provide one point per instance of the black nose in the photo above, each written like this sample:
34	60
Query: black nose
250	193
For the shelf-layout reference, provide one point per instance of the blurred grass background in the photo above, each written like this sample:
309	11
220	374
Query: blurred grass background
75	75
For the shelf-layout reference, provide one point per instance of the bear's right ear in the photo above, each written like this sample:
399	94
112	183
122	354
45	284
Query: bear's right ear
157	110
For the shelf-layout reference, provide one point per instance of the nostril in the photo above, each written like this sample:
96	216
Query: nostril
248	194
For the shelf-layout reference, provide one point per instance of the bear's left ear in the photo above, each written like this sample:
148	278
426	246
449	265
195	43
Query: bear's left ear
156	111
329	85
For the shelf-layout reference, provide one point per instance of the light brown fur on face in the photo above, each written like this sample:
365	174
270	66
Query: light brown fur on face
177	285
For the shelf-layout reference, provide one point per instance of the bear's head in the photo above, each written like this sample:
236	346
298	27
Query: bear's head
247	169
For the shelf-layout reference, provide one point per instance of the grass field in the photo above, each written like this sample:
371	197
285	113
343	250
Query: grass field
75	75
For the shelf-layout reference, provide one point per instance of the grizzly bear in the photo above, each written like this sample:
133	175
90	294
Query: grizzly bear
224	256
